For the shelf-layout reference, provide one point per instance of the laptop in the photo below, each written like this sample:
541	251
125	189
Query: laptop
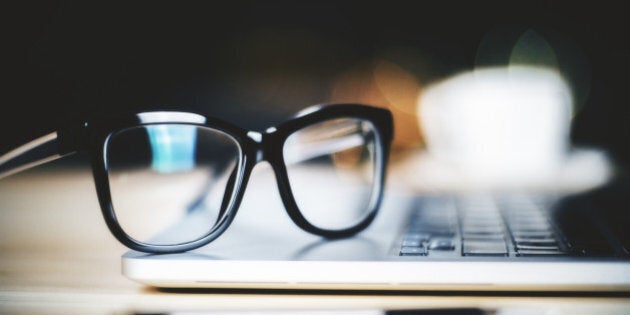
422	239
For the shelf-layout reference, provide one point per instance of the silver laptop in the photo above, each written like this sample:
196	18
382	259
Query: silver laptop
473	240
499	202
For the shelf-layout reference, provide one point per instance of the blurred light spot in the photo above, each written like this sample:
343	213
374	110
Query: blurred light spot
172	147
385	84
533	50
514	45
356	85
398	86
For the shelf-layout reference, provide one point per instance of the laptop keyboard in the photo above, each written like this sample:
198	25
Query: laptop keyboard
483	225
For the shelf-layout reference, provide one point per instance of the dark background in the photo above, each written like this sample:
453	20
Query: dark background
255	63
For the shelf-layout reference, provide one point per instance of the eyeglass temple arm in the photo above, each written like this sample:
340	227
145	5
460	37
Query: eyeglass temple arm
39	151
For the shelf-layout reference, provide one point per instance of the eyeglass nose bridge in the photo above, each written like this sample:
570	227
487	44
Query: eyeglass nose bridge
264	145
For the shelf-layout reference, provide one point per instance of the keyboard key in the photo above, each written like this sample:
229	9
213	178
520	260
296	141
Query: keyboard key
483	230
412	251
532	235
533	247
530	227
484	236
529	253
535	242
441	243
484	248
535	220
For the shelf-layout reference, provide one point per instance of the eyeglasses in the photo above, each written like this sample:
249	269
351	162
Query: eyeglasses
172	181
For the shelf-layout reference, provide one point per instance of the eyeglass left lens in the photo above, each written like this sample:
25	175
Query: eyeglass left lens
171	183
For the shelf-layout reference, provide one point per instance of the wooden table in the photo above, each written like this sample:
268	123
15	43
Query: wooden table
57	256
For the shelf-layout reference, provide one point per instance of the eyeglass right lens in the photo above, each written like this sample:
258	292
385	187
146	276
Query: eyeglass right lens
171	183
333	171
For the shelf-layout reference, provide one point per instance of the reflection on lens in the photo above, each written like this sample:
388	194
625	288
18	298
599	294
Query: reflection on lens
169	182
332	168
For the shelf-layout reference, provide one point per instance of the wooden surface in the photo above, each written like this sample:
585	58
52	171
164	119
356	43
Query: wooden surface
57	257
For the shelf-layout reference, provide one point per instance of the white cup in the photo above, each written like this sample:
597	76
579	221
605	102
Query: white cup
497	126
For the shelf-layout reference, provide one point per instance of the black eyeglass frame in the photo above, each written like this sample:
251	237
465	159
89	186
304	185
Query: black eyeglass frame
93	136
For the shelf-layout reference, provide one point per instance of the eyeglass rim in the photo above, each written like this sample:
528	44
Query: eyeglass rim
291	204
98	132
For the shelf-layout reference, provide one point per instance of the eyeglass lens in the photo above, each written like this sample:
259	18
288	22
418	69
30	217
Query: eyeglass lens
332	168
169	182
